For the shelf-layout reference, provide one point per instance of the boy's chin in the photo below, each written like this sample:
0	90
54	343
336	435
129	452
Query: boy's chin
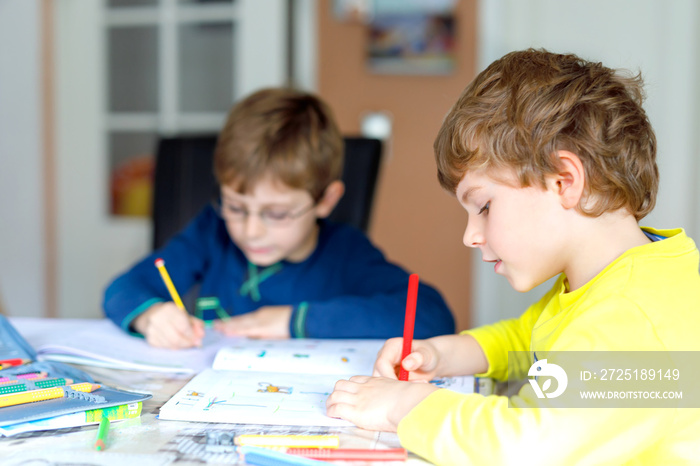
264	262
521	286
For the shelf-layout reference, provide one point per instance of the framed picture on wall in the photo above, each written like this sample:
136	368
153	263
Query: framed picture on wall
411	37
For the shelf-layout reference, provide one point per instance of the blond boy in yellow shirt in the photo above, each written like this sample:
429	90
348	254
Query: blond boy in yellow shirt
553	159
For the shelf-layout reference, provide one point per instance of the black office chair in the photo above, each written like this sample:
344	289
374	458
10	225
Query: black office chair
184	182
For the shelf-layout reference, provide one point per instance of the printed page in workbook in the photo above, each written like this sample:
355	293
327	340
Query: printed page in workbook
279	382
300	355
249	397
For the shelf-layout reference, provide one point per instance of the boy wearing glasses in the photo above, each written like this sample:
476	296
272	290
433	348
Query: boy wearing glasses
268	263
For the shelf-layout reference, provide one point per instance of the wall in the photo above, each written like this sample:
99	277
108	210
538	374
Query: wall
90	243
58	245
22	281
414	222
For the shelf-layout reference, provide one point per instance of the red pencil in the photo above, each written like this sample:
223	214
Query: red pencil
409	321
349	454
13	362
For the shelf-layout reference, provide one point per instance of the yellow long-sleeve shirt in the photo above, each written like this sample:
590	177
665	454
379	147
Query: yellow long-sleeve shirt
648	299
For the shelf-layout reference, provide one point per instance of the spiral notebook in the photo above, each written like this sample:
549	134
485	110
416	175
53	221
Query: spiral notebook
26	377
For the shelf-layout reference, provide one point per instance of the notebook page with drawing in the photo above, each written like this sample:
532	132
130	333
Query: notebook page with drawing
279	382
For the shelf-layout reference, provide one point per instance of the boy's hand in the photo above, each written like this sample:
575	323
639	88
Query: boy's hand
442	356
165	326
375	403
266	322
421	363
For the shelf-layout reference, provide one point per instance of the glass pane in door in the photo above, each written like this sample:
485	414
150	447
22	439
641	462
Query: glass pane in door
133	69
206	66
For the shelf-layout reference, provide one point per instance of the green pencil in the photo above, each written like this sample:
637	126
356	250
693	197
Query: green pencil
6	389
102	434
48	383
12	388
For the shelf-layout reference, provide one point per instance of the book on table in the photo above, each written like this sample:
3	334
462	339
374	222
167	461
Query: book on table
31	390
100	343
82	418
279	382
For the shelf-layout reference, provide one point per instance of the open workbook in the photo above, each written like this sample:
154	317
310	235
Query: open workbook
279	382
98	342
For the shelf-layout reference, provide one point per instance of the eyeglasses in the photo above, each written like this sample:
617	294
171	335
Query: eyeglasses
272	217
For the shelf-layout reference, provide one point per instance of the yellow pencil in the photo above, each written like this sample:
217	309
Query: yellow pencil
160	263
43	394
296	441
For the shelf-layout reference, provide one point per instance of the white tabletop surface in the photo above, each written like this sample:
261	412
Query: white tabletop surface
147	440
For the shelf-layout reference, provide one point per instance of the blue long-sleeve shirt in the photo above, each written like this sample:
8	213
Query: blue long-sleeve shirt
344	289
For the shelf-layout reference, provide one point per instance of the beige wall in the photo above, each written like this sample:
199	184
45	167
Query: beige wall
415	222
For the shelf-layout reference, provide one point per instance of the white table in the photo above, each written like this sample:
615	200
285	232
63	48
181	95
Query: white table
148	441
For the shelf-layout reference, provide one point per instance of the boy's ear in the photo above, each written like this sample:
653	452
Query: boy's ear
570	181
330	198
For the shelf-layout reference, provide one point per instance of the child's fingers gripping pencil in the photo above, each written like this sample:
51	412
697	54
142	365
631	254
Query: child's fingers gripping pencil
409	321
190	331
160	264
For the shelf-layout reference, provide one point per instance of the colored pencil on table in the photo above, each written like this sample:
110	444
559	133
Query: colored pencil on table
409	322
27	375
12	388
265	457
297	441
48	383
43	394
350	454
13	362
102	431
20	386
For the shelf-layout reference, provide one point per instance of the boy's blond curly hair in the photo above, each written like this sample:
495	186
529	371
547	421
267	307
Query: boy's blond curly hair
529	104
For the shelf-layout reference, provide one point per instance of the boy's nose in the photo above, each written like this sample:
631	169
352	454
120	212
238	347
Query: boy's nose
472	237
254	226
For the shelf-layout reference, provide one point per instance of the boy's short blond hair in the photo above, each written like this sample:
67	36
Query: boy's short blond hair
283	133
529	104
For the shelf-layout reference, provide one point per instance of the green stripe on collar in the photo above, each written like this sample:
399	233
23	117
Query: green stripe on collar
255	278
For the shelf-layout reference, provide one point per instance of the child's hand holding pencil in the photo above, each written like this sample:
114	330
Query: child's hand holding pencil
168	325
421	363
165	326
